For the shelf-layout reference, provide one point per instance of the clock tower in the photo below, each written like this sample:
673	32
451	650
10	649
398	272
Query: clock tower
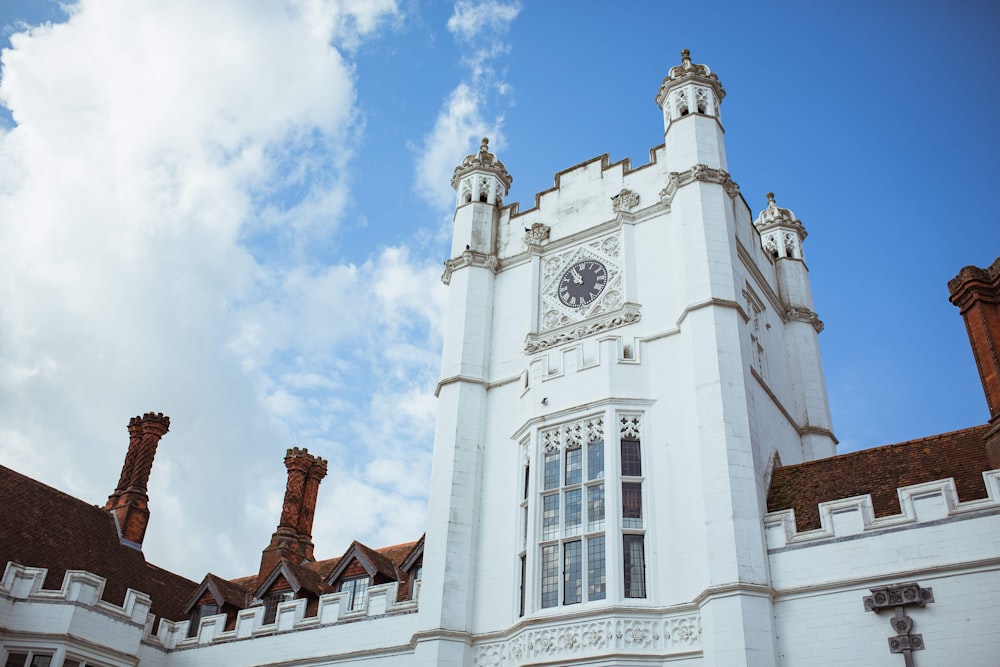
623	364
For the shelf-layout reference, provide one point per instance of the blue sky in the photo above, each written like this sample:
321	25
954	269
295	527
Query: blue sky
236	213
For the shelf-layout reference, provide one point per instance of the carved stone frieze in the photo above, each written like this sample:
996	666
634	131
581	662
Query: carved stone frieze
699	172
625	200
803	315
627	314
638	635
469	258
574	434
536	234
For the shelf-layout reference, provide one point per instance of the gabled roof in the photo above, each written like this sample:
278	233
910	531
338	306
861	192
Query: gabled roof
298	576
44	527
415	553
960	455
225	593
372	561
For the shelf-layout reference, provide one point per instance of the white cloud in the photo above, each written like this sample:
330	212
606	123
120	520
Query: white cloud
471	19
462	120
173	170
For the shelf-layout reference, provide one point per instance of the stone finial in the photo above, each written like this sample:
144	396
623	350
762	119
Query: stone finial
482	160
688	72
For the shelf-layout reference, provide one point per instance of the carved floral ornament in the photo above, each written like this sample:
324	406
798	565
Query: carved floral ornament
625	200
680	634
536	234
627	314
699	172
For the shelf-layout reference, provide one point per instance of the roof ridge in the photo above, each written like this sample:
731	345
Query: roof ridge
904	443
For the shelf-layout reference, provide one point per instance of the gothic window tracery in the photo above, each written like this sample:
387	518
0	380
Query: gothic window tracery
570	548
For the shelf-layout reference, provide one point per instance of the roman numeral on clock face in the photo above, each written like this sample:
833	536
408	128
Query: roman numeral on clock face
582	282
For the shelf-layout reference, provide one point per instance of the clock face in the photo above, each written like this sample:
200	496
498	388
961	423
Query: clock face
582	283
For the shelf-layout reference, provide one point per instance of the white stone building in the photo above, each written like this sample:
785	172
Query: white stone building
631	414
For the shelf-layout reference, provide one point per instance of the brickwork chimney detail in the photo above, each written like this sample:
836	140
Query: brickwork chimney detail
292	540
130	502
976	292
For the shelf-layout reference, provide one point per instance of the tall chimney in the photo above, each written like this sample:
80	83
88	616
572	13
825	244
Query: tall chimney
129	502
291	541
317	471
976	292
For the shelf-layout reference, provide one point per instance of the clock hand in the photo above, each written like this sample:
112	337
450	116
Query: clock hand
577	278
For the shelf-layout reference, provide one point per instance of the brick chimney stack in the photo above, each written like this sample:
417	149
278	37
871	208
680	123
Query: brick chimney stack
129	502
976	292
292	540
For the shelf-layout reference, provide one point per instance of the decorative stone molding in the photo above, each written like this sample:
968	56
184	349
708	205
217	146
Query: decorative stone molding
553	314
803	315
896	597
699	172
536	234
629	425
625	200
627	314
573	435
469	258
623	635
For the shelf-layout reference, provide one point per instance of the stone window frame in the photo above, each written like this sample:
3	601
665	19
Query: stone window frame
617	527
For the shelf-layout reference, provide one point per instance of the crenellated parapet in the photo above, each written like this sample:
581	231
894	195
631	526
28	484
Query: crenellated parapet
333	609
919	503
74	609
86	616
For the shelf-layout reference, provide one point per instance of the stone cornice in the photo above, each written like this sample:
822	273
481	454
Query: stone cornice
729	590
459	378
804	315
469	258
536	342
699	173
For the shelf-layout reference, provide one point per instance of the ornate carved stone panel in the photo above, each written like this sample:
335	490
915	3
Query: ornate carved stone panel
567	642
559	321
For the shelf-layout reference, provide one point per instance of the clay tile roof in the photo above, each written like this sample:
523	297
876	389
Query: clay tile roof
44	527
382	564
233	593
309	578
960	455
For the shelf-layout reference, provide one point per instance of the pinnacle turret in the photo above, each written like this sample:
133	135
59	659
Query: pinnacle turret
481	178
689	88
781	233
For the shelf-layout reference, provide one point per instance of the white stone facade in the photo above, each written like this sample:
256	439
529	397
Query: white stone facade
624	363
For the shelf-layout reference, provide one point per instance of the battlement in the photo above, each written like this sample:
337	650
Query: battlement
81	591
919	503
334	608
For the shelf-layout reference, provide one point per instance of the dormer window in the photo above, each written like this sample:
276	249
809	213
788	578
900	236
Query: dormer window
356	588
198	613
271	603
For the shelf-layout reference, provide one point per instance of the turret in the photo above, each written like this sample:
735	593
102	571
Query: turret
481	182
781	235
689	97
